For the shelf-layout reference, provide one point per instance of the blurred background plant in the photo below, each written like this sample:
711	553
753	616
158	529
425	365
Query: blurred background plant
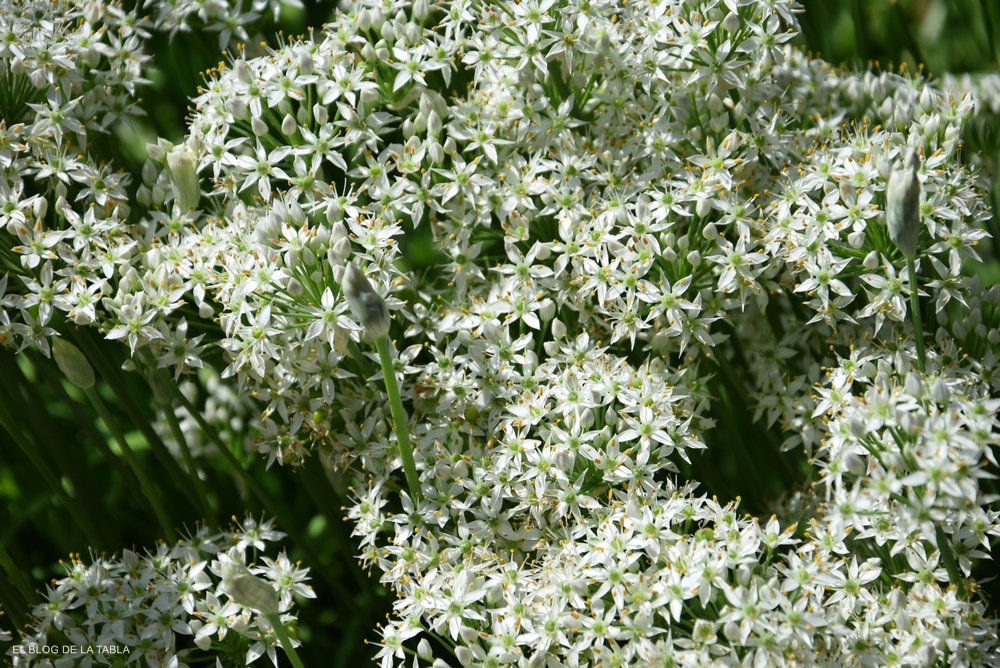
87	444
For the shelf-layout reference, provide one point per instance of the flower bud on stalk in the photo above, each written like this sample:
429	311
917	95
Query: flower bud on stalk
181	161
366	304
252	592
73	363
902	208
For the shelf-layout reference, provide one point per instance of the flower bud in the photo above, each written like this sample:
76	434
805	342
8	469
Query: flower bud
855	464
421	10
364	20
236	107
694	258
669	254
871	261
149	173
709	232
435	151
294	287
856	239
940	391
558	329
411	31
464	655
157	195
288	125
433	123
187	188
424	650
306	64
258	126
320	113
857	427
927	100
158	151
702	207
367	305
409	128
252	592
902	208
547	309
342	247
731	23
73	363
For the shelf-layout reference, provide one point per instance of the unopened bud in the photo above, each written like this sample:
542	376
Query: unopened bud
903	206
342	247
149	173
558	329
183	177
914	385
871	261
464	655
288	125
424	650
941	391
856	239
72	363
236	107
547	309
252	592
366	304
855	464
320	113
709	232
694	258
731	23
433	123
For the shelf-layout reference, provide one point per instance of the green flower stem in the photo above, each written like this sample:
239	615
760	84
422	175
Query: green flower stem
13	606
55	383
399	418
345	597
286	643
147	486
66	462
918	328
11	425
199	488
16	577
110	375
948	557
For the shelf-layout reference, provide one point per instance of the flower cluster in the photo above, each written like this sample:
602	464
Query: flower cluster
166	607
642	214
227	17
